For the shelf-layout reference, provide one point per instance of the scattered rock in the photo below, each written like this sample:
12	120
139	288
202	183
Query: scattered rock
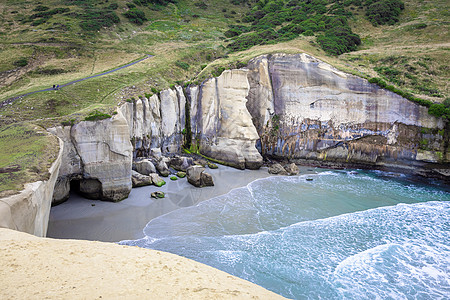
158	195
140	180
212	166
194	175
277	169
145	167
206	180
354	173
156	180
162	168
181	174
292	169
181	163
201	162
173	178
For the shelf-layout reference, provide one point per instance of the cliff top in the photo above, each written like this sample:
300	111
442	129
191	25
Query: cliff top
57	41
26	153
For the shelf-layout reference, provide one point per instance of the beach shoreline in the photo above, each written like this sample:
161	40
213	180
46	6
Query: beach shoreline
84	219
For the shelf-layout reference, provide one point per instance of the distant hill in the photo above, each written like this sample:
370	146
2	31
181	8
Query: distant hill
56	41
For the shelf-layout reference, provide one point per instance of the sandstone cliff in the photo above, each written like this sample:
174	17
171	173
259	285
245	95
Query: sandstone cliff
293	107
98	155
29	210
224	125
304	109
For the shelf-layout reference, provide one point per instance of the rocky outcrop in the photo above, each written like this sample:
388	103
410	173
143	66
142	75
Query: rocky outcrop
197	177
29	210
225	128
293	107
98	155
138	179
308	111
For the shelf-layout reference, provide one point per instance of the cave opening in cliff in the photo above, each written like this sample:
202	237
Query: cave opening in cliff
75	186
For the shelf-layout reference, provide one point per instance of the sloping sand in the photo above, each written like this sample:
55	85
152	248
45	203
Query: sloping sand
42	268
125	220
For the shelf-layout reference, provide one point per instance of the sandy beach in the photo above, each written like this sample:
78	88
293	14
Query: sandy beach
77	218
43	268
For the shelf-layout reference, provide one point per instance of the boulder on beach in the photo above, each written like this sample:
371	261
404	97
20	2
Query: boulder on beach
156	180
212	165
197	177
201	162
145	167
292	169
276	168
180	163
181	174
194	175
140	180
158	195
206	180
162	168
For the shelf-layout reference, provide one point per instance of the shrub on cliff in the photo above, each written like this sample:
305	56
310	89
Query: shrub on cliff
97	116
136	16
338	40
439	110
384	11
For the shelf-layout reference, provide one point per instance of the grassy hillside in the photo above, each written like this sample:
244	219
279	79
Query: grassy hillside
26	153
76	38
49	42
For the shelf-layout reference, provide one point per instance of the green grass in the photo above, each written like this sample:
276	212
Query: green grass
26	153
189	46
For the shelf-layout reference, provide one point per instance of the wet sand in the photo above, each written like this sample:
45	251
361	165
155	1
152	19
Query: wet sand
77	218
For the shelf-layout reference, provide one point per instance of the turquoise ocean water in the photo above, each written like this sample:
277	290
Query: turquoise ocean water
340	236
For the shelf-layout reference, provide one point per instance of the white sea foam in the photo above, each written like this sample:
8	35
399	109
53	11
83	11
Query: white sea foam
338	236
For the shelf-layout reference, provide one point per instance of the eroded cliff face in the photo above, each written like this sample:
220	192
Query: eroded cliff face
98	156
305	109
224	125
221	125
29	210
288	106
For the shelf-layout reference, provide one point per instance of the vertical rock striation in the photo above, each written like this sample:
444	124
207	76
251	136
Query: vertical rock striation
226	129
99	155
305	109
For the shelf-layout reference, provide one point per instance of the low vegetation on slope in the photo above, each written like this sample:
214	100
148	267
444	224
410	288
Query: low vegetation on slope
25	152
51	42
47	42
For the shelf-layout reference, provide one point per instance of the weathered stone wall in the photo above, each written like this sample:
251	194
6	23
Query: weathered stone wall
305	109
29	210
99	154
287	106
224	125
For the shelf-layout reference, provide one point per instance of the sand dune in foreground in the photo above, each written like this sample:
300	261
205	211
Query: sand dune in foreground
42	268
